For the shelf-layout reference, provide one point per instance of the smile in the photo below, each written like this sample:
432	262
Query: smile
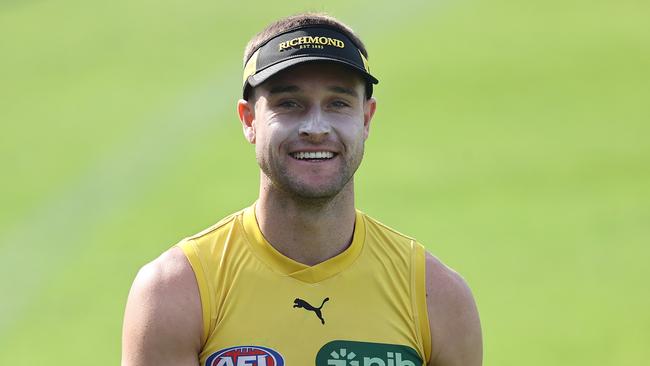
312	155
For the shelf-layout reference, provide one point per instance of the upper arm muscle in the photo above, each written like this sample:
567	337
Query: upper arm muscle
163	319
453	318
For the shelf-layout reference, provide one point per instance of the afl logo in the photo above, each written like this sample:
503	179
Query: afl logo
245	356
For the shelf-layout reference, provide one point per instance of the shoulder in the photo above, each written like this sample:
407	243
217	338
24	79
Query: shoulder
453	317
373	224
222	225
444	284
169	273
163	319
390	247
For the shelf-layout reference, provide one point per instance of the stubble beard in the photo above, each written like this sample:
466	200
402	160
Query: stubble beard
282	179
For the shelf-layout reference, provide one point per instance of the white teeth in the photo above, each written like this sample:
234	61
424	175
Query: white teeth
313	155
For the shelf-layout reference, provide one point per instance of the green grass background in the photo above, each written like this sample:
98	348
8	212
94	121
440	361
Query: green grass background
511	138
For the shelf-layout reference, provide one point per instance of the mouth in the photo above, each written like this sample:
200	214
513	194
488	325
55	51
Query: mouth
313	155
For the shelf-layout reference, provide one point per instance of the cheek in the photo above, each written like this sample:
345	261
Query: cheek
352	132
263	144
269	139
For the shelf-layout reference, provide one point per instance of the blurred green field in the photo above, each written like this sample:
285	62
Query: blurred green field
511	138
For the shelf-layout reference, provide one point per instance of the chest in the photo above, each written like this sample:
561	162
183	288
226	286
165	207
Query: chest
361	316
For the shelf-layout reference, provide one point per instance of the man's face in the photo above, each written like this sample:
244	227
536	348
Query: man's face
309	124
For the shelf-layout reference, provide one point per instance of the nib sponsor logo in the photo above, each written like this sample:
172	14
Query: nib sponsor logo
351	353
342	358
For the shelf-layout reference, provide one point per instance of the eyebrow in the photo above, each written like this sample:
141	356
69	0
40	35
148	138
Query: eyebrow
279	89
348	91
283	89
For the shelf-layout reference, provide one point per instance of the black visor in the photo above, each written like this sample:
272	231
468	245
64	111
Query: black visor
309	43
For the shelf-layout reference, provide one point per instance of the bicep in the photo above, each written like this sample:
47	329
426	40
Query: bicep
163	319
453	318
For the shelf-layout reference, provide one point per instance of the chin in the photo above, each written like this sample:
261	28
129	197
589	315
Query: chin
310	192
308	186
315	191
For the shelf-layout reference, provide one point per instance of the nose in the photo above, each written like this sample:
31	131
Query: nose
315	127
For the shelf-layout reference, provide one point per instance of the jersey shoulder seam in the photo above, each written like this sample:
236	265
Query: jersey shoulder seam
388	228
221	223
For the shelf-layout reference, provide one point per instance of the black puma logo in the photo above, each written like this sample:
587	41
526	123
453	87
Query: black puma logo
300	303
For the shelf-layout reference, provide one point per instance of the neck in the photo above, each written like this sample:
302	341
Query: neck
308	231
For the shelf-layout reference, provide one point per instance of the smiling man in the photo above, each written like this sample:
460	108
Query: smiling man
302	277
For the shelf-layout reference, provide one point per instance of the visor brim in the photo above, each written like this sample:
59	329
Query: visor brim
263	75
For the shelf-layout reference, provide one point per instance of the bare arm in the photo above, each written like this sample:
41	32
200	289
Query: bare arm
453	318
163	320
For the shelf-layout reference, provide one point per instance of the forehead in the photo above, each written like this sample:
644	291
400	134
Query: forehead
315	74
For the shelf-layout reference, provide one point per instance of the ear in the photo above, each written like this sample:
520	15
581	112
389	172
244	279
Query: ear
369	107
246	112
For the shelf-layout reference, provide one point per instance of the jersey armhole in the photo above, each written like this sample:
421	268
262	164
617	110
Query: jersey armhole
420	299
189	249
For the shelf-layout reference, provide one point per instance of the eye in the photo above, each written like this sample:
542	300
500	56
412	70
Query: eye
288	104
339	104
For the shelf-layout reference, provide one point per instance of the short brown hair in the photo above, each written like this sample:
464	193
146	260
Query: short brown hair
299	20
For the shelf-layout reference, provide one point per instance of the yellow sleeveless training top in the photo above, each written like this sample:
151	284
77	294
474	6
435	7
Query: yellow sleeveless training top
363	307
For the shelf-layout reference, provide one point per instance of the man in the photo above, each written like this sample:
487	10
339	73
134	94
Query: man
301	277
